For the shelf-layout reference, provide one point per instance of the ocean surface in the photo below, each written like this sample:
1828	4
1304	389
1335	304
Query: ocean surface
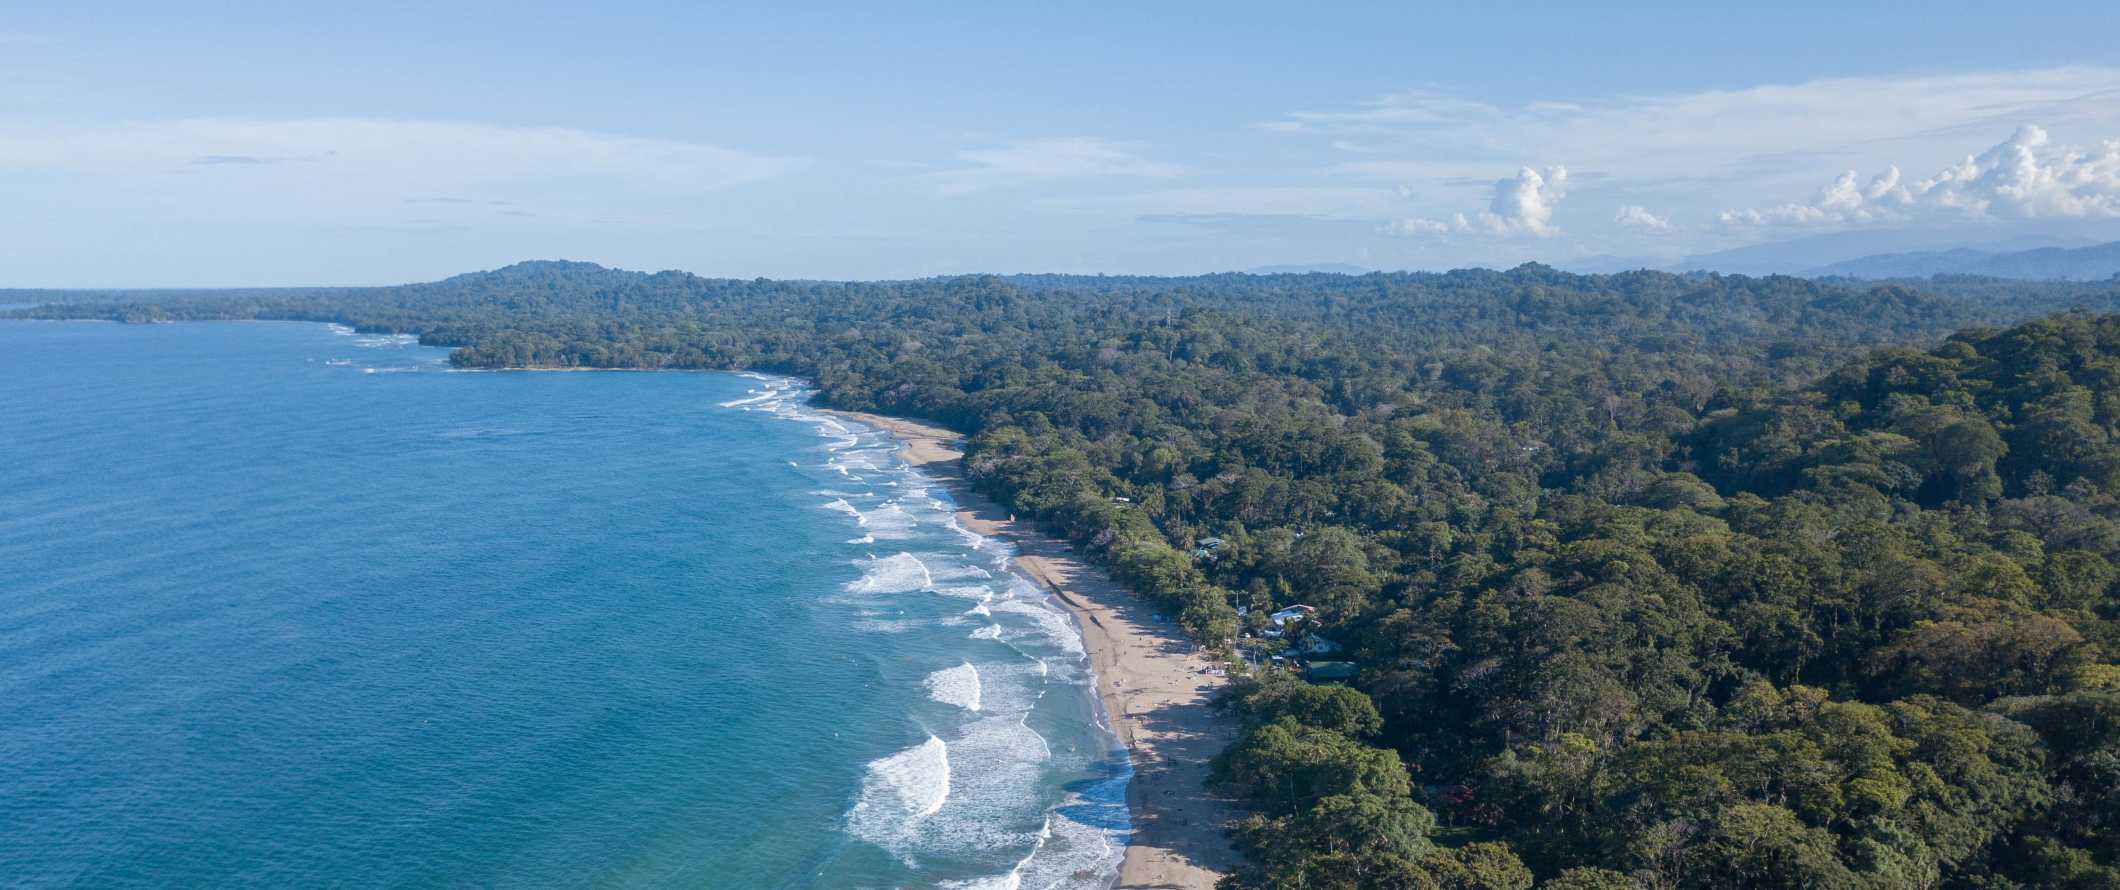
285	605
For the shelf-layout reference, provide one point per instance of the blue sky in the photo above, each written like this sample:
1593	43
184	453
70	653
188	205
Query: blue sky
261	144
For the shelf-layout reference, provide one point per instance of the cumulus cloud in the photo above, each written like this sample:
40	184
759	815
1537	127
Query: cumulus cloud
1522	205
1691	155
1635	216
1040	160
2024	177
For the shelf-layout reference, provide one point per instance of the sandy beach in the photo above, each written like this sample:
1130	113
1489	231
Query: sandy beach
1154	686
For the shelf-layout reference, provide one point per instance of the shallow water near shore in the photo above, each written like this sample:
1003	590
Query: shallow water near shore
289	605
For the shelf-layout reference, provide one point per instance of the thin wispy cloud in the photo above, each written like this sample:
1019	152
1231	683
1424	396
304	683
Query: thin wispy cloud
243	160
1319	202
1710	130
364	168
1029	161
1410	108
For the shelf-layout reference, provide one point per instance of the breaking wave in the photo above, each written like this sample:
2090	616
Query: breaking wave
955	686
900	791
988	794
898	573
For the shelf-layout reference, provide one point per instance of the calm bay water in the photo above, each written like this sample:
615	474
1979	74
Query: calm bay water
281	605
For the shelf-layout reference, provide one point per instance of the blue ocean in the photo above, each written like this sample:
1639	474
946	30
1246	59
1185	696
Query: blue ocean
284	605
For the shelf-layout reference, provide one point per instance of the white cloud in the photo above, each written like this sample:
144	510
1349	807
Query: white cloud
1635	216
1522	205
2024	177
1692	154
1040	160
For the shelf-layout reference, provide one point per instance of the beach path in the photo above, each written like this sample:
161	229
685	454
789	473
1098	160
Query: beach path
1155	686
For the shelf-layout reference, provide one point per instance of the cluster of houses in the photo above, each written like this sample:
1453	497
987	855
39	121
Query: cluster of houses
1313	652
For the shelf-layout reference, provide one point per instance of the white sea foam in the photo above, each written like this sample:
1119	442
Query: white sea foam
919	801
988	799
1070	853
887	625
1073	854
901	790
889	521
966	591
1009	686
971	538
979	788
841	505
897	573
756	398
951	567
1011	881
955	686
1049	624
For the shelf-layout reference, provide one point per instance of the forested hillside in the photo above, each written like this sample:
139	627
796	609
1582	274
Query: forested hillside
1650	580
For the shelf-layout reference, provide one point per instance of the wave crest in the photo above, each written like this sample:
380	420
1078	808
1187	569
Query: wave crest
955	686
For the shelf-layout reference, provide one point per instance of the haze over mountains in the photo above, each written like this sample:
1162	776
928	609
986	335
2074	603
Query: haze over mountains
2086	252
2091	254
2079	264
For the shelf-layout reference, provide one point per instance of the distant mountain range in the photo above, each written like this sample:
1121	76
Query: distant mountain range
2085	251
2094	263
1803	256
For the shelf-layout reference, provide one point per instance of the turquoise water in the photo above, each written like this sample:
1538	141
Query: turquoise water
282	605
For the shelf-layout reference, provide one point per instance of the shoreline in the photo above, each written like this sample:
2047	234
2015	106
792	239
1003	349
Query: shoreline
1153	684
